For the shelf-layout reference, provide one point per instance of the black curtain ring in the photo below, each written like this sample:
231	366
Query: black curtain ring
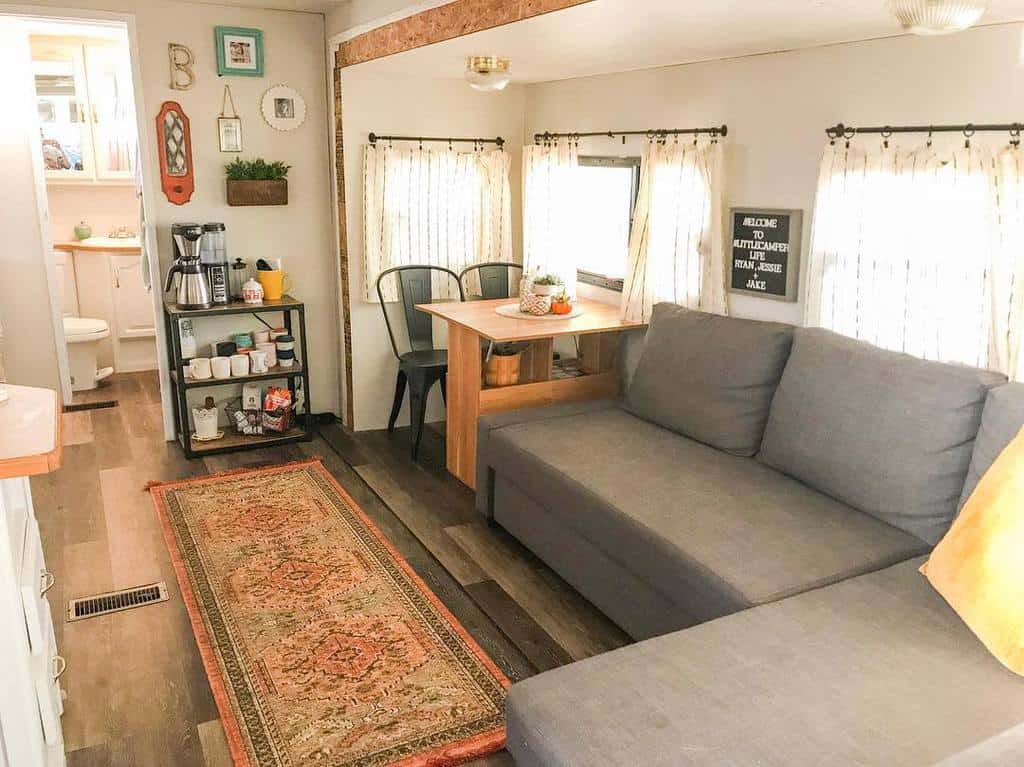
849	133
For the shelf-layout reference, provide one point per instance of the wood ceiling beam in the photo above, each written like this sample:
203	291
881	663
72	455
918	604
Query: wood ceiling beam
445	22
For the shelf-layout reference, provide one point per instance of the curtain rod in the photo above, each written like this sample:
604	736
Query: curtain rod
845	131
374	138
720	130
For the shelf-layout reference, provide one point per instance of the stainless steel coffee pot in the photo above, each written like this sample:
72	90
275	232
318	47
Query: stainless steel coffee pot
193	288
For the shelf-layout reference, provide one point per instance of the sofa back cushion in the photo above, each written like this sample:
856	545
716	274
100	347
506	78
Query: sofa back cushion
885	432
1001	420
709	377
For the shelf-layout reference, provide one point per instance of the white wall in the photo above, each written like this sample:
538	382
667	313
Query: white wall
104	208
777	107
352	17
418	107
300	232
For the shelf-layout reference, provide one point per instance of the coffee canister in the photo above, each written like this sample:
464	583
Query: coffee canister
252	292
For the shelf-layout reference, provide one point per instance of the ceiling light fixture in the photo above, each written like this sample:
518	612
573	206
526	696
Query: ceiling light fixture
487	73
937	17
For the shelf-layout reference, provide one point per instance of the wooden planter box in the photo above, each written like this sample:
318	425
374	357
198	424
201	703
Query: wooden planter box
502	370
258	192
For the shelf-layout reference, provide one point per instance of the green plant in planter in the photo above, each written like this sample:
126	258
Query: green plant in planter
508	348
255	170
547	279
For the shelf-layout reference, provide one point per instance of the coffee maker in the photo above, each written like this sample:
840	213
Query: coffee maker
193	288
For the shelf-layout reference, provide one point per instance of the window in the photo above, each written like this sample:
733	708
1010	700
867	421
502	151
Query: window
436	207
608	188
919	251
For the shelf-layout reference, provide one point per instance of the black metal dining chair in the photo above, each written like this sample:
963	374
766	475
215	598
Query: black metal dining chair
495	279
423	365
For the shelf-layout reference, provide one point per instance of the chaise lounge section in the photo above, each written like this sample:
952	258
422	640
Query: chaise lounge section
770	490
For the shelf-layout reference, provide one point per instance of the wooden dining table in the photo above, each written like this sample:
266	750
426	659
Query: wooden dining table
472	324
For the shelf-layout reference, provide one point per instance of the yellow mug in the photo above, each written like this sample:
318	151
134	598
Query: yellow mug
275	283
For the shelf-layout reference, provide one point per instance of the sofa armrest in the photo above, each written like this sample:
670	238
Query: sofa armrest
487	424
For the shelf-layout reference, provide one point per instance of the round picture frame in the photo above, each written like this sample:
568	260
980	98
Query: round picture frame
283	108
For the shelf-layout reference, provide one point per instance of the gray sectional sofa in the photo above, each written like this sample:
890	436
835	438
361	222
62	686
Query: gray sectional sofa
756	510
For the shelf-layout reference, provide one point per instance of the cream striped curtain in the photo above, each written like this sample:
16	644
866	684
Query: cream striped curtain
676	251
436	207
551	210
921	251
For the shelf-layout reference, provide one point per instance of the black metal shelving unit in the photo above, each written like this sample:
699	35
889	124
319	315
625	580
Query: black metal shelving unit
182	383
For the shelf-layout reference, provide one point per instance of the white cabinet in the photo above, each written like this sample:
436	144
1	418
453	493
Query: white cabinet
30	695
86	109
110	287
30	698
133	306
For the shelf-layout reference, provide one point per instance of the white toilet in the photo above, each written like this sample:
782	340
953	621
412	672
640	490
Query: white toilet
82	335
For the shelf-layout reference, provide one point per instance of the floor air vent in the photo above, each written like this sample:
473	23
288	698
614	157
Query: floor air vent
90	405
114	601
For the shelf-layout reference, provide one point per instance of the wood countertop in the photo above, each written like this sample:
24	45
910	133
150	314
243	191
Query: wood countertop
112	247
30	423
480	317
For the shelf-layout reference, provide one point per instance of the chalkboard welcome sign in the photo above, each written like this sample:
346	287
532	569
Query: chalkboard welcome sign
766	252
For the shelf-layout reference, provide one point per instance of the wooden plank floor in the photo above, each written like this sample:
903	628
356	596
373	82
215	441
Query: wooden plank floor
136	690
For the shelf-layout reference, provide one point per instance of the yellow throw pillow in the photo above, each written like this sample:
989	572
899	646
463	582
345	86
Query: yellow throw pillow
978	566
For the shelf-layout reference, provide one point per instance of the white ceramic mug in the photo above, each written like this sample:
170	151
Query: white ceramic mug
221	367
260	336
258	361
271	351
239	364
199	367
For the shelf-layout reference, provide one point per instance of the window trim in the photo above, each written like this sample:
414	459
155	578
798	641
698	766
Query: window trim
601	161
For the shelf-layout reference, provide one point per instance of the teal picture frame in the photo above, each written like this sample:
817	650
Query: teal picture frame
247	61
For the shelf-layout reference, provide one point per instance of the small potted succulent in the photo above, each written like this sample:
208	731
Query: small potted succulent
546	284
561	303
257	182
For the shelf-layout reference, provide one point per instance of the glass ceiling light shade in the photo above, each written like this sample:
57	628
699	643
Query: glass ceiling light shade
487	73
937	17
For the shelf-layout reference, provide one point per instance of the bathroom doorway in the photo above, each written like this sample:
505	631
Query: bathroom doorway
80	86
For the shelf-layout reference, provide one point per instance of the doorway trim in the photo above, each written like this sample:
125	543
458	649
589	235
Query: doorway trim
148	228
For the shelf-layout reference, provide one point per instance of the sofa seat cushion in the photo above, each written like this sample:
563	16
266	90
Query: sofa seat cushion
875	671
709	377
1002	750
884	432
714	533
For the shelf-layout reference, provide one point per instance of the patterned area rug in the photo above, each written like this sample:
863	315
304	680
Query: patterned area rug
322	646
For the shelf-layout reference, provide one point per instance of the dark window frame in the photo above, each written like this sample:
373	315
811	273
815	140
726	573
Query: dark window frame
600	161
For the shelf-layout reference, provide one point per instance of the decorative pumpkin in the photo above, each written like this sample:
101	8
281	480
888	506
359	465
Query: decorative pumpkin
562	303
560	307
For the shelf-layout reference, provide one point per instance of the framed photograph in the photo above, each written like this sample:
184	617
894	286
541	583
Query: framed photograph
283	108
239	51
230	130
